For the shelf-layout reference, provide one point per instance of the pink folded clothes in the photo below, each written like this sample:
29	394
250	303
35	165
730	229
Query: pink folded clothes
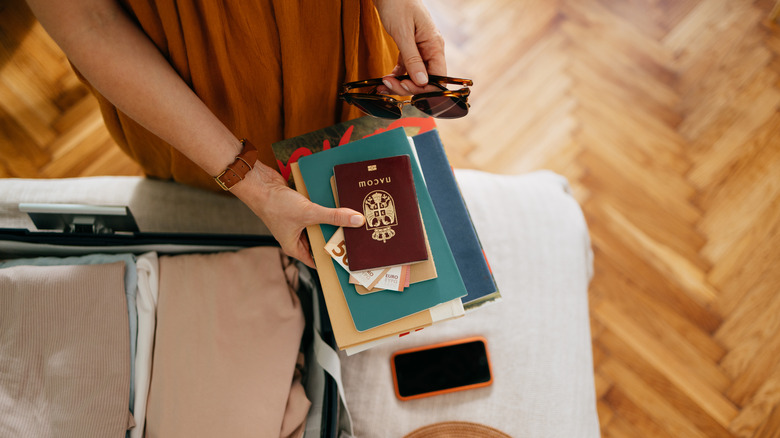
229	328
64	351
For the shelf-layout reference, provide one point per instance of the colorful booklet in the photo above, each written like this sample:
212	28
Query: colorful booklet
290	150
383	190
456	221
347	336
372	310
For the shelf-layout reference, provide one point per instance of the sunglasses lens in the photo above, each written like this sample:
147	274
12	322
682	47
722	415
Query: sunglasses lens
377	108
443	107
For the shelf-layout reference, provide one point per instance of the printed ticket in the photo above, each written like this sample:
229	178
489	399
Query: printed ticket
374	286
392	280
386	278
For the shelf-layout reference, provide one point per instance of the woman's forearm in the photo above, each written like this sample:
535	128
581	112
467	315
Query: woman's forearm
122	63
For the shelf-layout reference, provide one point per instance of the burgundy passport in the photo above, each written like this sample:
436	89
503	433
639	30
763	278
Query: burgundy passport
383	190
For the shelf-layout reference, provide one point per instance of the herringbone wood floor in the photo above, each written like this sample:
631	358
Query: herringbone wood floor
663	114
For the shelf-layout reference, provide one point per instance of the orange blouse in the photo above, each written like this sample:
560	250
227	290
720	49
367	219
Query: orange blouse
268	69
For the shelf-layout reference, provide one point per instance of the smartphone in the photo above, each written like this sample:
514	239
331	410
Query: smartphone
441	368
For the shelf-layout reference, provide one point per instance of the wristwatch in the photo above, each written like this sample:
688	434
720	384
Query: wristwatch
237	171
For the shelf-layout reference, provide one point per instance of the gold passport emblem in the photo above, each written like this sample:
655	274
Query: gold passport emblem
379	210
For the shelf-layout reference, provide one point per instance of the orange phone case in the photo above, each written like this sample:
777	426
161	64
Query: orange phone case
439	345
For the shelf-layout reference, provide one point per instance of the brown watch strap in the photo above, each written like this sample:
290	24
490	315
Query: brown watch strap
237	171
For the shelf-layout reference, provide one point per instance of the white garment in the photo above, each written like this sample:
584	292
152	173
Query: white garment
146	302
536	239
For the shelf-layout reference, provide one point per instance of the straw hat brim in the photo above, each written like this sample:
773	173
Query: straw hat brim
457	429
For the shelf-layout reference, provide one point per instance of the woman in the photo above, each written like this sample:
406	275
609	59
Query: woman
180	82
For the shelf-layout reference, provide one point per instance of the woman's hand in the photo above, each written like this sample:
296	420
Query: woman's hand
420	44
287	213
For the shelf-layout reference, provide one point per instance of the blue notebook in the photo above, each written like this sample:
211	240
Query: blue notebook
455	220
372	310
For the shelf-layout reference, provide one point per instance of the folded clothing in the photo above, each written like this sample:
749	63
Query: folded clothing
228	332
64	351
131	280
148	284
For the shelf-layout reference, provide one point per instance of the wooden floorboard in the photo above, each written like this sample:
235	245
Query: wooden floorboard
664	115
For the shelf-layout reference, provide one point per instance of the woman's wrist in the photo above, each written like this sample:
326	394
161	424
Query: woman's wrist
254	189
236	171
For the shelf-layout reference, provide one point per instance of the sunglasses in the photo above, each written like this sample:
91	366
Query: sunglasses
443	104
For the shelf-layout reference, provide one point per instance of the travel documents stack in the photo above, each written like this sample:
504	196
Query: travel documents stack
417	261
383	251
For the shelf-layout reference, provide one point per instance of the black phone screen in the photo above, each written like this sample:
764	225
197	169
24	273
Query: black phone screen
442	368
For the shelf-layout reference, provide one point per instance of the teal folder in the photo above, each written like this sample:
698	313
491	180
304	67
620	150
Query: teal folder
372	310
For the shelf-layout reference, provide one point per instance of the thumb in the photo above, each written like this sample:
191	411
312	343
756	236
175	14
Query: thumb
410	56
340	217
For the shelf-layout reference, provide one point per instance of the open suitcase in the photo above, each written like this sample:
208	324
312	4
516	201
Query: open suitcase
111	215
